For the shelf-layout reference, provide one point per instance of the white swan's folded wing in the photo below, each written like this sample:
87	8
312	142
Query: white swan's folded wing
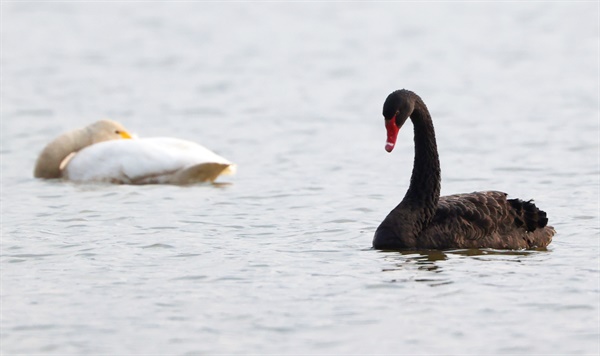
147	160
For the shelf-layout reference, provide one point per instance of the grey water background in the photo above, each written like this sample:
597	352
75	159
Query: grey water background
279	259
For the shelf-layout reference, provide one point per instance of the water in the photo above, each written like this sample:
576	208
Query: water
278	259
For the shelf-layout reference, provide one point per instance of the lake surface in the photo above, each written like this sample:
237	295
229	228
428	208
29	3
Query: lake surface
278	259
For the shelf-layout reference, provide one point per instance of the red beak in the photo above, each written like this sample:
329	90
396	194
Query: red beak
392	133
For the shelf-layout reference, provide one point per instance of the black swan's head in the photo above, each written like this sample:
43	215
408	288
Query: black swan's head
397	108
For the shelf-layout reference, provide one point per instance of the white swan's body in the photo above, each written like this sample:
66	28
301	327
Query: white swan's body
105	152
160	160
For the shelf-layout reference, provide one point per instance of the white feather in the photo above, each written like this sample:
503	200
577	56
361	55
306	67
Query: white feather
143	161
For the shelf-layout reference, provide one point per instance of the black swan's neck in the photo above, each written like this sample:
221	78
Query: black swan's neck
424	191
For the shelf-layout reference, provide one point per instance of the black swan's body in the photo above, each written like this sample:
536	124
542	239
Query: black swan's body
424	220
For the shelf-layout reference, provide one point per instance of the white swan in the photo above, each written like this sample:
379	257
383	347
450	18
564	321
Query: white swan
99	153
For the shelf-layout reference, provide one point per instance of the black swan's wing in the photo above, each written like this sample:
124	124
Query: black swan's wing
475	214
486	219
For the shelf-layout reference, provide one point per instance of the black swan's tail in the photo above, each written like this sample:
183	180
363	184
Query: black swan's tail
528	214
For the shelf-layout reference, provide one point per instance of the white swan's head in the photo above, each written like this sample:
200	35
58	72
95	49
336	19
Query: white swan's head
57	153
100	131
105	130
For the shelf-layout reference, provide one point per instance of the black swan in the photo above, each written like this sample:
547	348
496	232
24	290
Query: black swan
424	220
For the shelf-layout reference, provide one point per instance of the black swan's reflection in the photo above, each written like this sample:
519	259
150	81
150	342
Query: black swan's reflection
434	261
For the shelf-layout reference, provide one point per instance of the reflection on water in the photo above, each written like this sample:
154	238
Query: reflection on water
434	261
417	261
489	251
